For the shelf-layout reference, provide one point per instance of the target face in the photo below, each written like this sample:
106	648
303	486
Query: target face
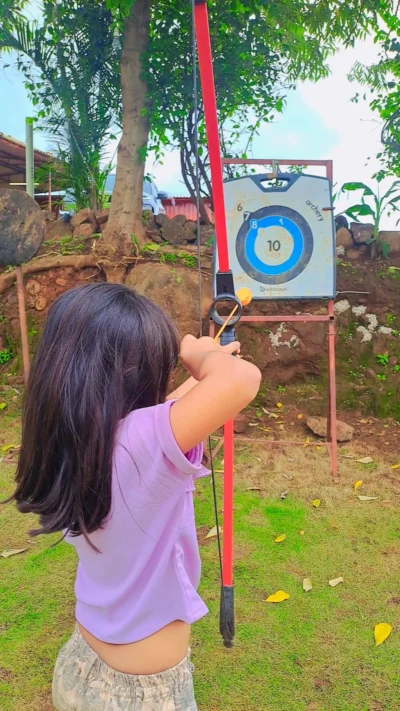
274	245
281	236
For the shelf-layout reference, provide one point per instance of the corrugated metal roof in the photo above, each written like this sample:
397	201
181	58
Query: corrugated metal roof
12	160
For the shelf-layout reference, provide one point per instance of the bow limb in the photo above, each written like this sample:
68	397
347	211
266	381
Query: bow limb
225	289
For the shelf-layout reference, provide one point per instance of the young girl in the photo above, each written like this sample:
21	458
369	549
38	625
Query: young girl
109	459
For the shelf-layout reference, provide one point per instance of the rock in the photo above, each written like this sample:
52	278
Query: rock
22	227
49	216
344	238
84	216
175	290
240	424
40	303
354	254
33	287
191	226
180	219
56	230
102	216
154	236
393	240
319	425
341	221
161	220
174	233
362	233
85	231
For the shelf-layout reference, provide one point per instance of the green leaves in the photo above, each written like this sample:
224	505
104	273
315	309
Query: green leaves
347	187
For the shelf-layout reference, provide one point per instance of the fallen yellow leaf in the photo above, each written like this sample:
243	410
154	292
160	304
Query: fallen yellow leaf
358	484
274	415
316	503
318	449
302	533
367	498
213	533
307	585
7	447
336	581
14	551
396	466
382	632
365	460
279	405
279	596
300	417
307	442
281	538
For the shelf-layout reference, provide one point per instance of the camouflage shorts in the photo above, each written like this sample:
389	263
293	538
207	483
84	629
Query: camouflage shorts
83	682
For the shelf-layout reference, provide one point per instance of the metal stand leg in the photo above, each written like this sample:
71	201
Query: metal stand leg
332	426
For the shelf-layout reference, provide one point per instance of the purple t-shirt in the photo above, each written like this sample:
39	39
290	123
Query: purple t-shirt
148	570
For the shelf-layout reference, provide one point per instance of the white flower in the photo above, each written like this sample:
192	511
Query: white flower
372	322
275	338
366	334
385	330
342	306
359	310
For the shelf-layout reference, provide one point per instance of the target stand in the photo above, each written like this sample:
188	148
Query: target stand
282	245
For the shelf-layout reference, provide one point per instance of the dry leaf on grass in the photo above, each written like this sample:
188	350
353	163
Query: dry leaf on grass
279	405
316	503
307	442
335	582
254	488
213	533
279	596
307	585
318	449
288	477
300	417
358	484
382	632
367	498
284	494
395	466
281	538
8	446
302	533
365	460
14	551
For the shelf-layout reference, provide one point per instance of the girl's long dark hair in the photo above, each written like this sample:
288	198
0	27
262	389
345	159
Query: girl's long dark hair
105	351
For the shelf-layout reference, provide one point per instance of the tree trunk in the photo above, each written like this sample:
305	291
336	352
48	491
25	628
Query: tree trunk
125	221
189	178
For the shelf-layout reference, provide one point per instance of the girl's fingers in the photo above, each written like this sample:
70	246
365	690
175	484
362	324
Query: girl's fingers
231	347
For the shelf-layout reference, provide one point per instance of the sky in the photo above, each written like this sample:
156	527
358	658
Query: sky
319	122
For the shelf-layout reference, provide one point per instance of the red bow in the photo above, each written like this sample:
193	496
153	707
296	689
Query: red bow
225	292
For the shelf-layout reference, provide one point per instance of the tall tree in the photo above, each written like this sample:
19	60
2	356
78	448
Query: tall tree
125	221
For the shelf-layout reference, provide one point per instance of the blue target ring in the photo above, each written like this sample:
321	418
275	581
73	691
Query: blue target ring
274	221
275	216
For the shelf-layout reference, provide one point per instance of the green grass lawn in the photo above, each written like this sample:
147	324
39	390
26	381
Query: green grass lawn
314	652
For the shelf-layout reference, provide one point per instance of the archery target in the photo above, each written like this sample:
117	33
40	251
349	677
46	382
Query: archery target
281	239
